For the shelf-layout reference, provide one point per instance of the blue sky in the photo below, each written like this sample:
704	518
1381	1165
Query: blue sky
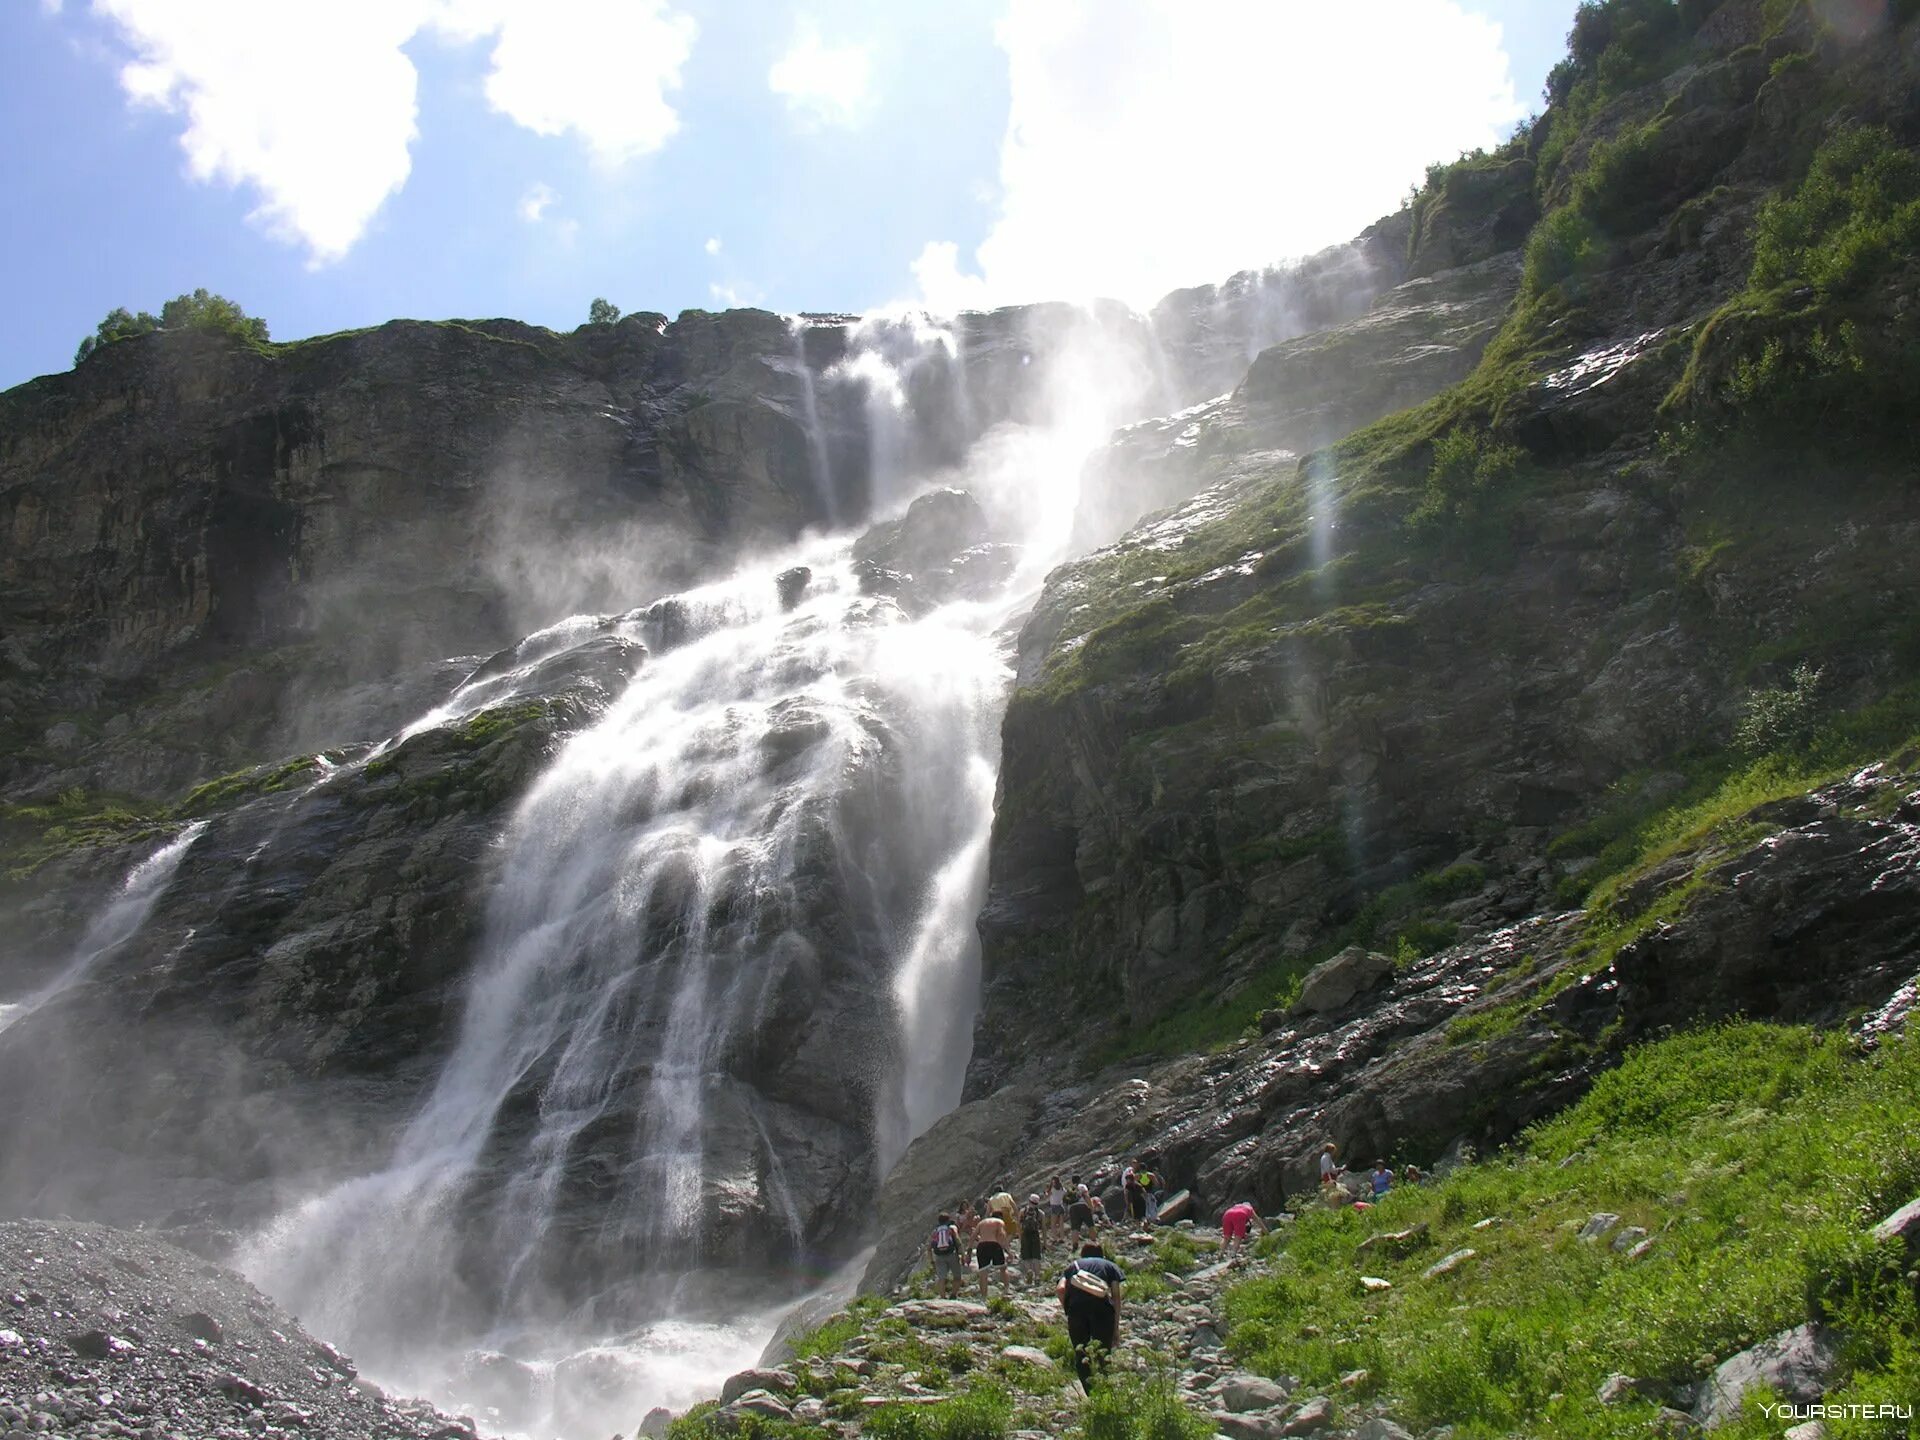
336	163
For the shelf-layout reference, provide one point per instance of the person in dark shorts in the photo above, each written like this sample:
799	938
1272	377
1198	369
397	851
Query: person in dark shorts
1089	1292
990	1249
1080	1214
1033	1229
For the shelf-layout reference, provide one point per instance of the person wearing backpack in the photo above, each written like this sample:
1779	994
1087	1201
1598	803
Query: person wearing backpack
1033	1225
1089	1292
944	1246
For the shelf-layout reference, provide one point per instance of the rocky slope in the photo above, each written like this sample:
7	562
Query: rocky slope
108	1333
1415	687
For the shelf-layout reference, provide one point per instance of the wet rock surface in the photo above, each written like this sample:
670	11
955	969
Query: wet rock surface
110	1333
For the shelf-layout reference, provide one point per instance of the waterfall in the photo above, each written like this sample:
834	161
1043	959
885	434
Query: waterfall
139	892
819	467
729	967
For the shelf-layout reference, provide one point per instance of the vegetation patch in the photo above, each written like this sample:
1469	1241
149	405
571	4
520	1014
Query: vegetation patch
1754	1157
77	819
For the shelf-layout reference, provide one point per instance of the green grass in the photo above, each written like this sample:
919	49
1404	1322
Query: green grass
1758	1156
835	1333
983	1412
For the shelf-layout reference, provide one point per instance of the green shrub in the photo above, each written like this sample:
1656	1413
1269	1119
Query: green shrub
1469	470
1563	245
981	1413
1854	215
1126	1408
198	311
1782	718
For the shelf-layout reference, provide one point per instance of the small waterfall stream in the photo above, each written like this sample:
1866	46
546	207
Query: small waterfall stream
113	926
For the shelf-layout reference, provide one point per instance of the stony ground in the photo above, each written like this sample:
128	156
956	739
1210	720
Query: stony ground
923	1350
111	1333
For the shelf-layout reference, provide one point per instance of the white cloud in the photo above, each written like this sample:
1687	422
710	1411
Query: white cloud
536	202
823	84
597	68
313	103
1152	144
712	246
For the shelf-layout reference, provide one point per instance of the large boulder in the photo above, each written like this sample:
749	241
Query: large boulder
1796	1365
1331	986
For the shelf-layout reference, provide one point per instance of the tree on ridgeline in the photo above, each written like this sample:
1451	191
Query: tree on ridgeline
198	311
602	312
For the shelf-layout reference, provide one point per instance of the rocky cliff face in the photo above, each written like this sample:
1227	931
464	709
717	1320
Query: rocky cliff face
1413	687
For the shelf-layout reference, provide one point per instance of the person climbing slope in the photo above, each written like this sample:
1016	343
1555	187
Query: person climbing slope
1090	1292
1033	1226
991	1238
944	1246
1237	1223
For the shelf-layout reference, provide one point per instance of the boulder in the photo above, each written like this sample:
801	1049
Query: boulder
202	1326
1241	1393
1599	1225
1027	1355
753	1402
948	1313
781	1381
654	1426
1332	985
1796	1364
1903	1224
1314	1414
1447	1264
1395	1242
1256	1426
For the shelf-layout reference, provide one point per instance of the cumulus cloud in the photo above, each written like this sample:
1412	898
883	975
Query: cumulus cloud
712	246
313	104
600	69
1152	144
823	84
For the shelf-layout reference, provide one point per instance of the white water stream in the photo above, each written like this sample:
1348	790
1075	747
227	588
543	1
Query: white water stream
111	928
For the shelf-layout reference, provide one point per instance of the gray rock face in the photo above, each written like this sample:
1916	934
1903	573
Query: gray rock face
1796	1364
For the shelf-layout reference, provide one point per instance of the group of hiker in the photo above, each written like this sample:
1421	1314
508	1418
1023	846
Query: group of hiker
1374	1182
1089	1288
984	1238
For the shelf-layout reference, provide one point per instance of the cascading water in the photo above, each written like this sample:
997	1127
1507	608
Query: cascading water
729	967
113	926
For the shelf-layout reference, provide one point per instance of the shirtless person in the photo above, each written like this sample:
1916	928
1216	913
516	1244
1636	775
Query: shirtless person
991	1239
